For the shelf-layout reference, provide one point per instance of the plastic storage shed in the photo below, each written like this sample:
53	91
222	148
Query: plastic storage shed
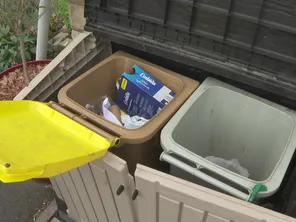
250	41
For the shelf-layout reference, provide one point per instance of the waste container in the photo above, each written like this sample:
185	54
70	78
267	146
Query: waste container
223	121
140	145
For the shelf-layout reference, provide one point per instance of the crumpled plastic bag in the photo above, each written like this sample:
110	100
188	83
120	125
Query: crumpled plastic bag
108	115
232	165
96	105
102	106
133	122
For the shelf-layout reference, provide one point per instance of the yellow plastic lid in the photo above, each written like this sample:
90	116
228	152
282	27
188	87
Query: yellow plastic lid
37	141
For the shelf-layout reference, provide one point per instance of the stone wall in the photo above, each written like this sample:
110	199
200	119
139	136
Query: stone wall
77	20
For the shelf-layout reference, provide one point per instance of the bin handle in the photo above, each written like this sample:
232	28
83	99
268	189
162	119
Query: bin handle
194	171
115	140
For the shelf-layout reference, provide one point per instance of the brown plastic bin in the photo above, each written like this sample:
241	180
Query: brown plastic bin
137	145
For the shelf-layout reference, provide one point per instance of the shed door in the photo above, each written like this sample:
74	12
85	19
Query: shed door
90	191
164	198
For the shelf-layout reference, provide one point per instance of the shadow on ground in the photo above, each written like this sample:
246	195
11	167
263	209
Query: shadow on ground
19	202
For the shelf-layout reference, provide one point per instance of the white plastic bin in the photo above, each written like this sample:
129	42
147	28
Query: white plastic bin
223	121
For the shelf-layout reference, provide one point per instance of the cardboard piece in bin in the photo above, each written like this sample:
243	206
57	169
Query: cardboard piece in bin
38	141
140	94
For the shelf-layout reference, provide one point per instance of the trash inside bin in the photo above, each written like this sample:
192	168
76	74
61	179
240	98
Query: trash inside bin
38	141
225	122
140	94
140	145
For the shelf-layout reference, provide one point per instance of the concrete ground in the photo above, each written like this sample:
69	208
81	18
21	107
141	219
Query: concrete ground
20	202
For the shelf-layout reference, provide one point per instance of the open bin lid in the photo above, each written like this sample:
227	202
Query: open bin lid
38	141
252	42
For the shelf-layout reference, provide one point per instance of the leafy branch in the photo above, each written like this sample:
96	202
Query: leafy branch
13	14
10	52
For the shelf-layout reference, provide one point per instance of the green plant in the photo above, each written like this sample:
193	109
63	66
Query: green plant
15	14
60	7
10	52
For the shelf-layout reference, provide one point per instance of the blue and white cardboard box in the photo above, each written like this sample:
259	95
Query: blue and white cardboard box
142	95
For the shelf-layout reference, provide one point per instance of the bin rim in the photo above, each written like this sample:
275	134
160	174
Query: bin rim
149	130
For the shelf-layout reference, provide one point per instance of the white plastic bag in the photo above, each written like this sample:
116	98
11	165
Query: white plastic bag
231	165
133	122
102	106
108	115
